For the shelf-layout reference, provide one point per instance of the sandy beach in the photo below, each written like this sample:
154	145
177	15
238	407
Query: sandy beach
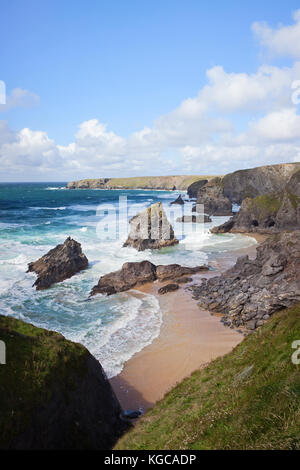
189	338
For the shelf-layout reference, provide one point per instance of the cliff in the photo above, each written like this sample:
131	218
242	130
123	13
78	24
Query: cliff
143	182
248	399
53	393
257	181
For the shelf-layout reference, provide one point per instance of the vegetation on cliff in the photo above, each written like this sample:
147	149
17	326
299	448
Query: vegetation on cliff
53	393
248	399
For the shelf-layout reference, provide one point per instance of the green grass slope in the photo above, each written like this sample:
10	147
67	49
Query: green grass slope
249	399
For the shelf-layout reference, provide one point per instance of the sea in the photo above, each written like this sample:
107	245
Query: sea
35	217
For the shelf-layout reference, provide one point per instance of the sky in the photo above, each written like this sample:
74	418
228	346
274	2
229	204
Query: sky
97	88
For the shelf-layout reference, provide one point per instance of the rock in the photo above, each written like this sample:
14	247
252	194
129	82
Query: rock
174	271
168	288
178	201
183	280
54	394
257	181
212	200
131	275
269	213
134	274
60	263
193	189
252	290
196	219
151	230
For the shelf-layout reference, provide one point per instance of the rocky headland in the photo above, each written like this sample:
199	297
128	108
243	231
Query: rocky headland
60	263
211	199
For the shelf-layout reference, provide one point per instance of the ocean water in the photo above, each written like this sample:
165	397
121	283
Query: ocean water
35	217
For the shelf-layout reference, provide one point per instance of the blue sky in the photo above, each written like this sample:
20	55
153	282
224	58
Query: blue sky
129	65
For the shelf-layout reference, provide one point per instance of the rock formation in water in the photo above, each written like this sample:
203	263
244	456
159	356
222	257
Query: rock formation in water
178	201
250	292
211	199
151	230
269	213
135	274
196	219
60	263
54	394
193	189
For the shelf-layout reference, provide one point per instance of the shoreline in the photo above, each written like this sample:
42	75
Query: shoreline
189	339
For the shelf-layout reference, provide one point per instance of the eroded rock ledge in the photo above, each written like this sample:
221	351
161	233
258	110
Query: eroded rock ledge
135	274
250	292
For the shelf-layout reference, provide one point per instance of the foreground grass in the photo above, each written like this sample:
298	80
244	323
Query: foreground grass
249	399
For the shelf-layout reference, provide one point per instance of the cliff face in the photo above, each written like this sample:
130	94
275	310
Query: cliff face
143	182
257	181
53	393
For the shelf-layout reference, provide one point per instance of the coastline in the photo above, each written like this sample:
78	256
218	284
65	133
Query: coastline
189	339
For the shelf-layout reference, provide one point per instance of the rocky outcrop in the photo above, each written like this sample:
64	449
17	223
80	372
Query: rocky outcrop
60	263
53	393
212	198
250	292
193	189
269	213
170	183
151	230
135	274
178	201
168	288
131	275
196	219
257	181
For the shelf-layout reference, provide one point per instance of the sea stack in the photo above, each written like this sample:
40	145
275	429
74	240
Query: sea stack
150	229
60	263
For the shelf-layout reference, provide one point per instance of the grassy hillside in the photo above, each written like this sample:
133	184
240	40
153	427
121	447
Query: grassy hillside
249	399
142	182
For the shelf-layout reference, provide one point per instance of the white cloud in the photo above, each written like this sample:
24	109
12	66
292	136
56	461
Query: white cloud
20	98
281	41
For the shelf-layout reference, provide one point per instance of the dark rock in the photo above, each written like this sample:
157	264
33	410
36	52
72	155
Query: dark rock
252	290
168	288
60	263
211	199
174	271
193	189
151	230
183	280
178	201
196	219
131	275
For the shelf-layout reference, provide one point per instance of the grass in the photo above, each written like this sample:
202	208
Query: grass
37	361
249	399
267	204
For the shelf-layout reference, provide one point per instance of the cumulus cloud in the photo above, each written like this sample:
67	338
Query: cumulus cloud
19	98
281	41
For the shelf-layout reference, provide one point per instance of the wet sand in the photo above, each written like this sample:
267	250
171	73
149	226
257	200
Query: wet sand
189	339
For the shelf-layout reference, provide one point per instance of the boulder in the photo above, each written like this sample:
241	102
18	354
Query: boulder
174	271
211	199
193	189
196	219
131	275
168	288
178	201
151	230
60	263
252	290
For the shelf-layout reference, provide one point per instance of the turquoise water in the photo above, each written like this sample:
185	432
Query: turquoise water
35	217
